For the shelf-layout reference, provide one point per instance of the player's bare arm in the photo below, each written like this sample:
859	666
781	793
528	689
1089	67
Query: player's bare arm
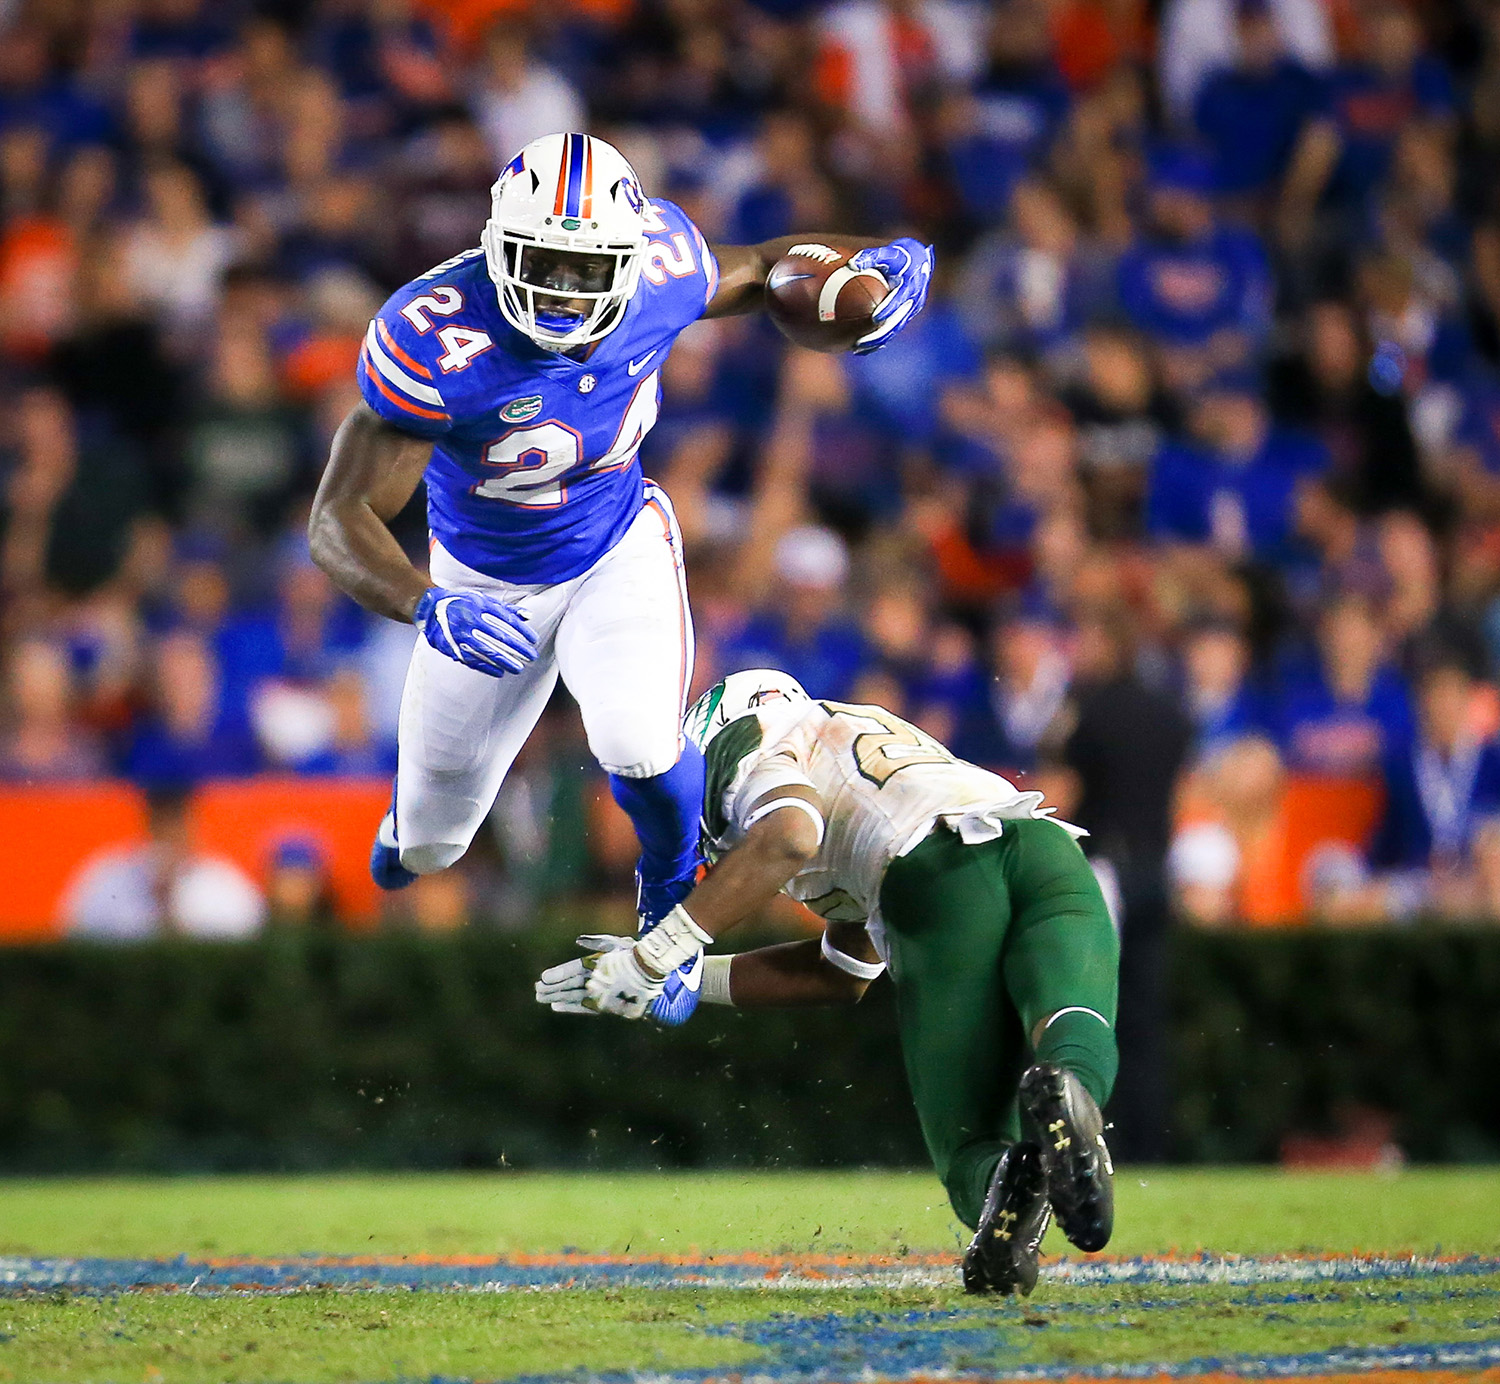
775	848
372	472
744	269
798	974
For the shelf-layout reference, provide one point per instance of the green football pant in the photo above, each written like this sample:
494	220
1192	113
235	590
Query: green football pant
986	943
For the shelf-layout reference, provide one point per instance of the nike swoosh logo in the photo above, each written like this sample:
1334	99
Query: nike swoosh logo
692	978
636	366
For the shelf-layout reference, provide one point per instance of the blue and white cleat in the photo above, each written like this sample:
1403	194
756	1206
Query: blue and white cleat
679	998
386	868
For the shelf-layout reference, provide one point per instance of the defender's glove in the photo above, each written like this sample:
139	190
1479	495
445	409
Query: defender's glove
624	977
480	631
907	266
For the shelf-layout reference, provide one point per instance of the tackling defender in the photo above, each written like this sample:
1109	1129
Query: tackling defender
998	940
520	378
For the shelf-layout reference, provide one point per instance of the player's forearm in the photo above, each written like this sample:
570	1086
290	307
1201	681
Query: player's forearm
372	472
750	876
787	975
363	560
743	269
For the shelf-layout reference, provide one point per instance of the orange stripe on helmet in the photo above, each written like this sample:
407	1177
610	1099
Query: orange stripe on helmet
586	208
562	177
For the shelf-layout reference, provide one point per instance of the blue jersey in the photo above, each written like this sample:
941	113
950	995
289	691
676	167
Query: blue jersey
534	474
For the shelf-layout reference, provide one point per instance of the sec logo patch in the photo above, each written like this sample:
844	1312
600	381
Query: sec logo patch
522	410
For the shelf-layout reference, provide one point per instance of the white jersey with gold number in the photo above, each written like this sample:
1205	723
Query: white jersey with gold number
883	785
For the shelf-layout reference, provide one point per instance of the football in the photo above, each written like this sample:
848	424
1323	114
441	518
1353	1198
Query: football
819	300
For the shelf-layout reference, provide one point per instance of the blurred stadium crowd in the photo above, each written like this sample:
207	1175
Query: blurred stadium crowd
1184	490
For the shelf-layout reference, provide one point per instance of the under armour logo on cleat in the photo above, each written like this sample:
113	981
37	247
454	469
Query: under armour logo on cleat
1062	1141
1003	1231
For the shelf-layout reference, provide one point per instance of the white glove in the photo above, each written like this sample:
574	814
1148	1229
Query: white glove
622	976
563	989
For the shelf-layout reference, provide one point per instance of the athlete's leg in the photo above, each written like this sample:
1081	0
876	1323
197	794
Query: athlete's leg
1061	967
947	912
461	730
1062	958
625	649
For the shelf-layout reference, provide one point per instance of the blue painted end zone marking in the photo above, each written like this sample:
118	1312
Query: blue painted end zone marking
19	1275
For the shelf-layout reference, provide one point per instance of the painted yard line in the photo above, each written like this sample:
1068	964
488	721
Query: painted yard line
1440	1363
731	1271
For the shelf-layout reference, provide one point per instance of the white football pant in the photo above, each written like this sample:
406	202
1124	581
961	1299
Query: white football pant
621	636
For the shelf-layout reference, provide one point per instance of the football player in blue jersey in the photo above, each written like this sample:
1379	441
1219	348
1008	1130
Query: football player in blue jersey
519	378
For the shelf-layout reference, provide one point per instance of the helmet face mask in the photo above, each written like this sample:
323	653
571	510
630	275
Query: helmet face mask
565	240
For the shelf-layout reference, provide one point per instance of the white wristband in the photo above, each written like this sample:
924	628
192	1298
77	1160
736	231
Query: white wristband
714	980
673	942
860	970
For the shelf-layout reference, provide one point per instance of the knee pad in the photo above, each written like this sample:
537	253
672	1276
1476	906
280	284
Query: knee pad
634	753
430	858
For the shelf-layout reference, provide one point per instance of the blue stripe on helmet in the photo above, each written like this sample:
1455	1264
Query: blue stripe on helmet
575	152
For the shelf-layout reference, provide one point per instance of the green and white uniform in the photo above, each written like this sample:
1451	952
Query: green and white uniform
983	906
884	786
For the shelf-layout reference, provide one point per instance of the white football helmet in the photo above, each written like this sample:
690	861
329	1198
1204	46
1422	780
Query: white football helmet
756	689
565	239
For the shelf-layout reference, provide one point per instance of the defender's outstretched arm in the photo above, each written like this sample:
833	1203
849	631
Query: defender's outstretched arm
797	973
372	472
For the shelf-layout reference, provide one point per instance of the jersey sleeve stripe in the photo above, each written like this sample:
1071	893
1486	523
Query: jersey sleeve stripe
389	393
395	375
710	267
394	347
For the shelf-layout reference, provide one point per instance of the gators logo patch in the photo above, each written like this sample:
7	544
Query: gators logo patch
522	410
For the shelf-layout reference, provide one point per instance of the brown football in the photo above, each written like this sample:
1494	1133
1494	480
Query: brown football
820	302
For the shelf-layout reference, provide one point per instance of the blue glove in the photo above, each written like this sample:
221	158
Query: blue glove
907	267
679	996
481	632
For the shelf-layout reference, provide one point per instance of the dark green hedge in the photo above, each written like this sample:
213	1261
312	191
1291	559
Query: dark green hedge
303	1052
1275	1031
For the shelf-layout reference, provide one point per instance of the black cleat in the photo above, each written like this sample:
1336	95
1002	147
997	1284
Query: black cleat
1001	1257
1080	1176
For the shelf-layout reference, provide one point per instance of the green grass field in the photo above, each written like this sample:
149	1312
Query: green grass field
324	1334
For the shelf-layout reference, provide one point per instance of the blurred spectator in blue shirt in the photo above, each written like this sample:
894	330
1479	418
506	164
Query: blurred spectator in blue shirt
1391	84
1031	286
1234	484
1346	715
310	632
805	630
1029	680
1216	689
32	93
1198	288
1442	785
1251	115
1006	124
187	738
788	191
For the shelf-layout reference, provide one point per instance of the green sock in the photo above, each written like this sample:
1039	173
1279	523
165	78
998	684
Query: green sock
1080	1041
